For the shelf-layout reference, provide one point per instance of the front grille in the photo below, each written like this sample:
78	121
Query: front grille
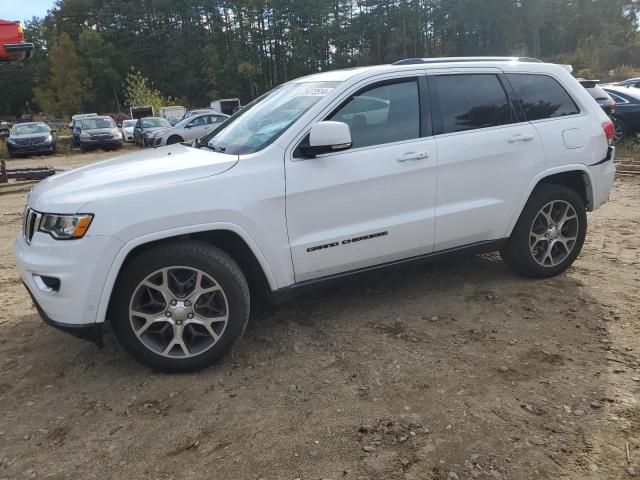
29	141
31	223
106	136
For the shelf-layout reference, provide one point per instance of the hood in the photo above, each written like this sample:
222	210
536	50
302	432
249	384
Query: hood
154	129
100	131
158	131
67	192
30	135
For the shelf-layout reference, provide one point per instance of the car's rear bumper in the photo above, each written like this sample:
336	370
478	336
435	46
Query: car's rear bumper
16	51
603	174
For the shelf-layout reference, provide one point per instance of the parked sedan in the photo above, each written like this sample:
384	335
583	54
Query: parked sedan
626	118
127	130
97	132
29	138
187	130
147	125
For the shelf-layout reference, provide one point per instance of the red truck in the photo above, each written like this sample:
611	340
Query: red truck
12	44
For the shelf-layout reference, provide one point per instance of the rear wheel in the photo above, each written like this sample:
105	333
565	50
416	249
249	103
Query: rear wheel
619	131
181	306
549	233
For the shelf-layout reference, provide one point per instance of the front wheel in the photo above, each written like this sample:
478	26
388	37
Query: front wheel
174	139
180	307
549	233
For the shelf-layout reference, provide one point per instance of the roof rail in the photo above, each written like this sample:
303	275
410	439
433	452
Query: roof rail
417	61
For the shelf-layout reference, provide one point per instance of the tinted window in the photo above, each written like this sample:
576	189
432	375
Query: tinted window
542	96
468	102
382	114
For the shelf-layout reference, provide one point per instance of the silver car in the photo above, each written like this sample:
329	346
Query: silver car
187	130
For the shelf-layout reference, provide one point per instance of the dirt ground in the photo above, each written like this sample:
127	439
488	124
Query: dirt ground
453	370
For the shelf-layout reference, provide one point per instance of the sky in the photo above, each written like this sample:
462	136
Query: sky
24	9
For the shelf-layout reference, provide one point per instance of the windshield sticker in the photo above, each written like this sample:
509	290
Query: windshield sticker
315	92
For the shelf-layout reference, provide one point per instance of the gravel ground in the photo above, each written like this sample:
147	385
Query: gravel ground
454	370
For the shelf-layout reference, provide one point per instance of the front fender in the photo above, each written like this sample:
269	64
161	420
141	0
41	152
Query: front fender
128	247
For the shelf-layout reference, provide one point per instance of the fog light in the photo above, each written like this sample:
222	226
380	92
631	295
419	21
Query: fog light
47	284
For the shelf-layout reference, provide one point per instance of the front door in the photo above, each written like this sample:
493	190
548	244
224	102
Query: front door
375	202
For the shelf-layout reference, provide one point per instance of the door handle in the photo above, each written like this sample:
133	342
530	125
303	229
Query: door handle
519	137
412	156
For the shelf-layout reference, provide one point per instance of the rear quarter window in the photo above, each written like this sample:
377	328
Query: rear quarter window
541	96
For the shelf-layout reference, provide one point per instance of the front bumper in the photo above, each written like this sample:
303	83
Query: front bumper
100	142
92	332
81	266
40	148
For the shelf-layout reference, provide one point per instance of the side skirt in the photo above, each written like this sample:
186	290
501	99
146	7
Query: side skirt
282	295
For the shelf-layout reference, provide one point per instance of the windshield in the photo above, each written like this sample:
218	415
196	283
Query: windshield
27	129
266	118
93	123
129	123
154	122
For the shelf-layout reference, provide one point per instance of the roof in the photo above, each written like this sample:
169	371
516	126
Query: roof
412	63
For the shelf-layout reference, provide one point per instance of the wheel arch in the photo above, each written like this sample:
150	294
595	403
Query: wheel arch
576	177
228	237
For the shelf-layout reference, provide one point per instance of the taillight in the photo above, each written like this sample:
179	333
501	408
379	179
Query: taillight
20	33
609	130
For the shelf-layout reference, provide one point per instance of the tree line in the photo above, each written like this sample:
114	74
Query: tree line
194	51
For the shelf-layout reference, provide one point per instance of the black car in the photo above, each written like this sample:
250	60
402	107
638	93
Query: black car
97	132
607	103
29	138
626	117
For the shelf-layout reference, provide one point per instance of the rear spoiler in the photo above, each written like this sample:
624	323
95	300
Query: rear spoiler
568	68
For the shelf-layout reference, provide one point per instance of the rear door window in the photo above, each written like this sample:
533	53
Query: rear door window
541	96
471	101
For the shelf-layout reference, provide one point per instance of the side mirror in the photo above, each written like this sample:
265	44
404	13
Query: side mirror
327	137
119	125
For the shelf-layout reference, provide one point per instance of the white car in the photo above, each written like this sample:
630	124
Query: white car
187	130
127	130
302	187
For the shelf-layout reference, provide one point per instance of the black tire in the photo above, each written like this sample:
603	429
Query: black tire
620	131
172	140
190	253
516	252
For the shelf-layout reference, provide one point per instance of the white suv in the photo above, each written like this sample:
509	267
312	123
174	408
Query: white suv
324	176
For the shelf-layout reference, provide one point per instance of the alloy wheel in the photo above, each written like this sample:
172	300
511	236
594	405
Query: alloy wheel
554	233
178	312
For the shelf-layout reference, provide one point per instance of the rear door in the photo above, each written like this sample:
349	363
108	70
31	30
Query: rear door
487	156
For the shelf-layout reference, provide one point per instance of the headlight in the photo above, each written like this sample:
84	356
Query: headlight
65	227
115	133
49	139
